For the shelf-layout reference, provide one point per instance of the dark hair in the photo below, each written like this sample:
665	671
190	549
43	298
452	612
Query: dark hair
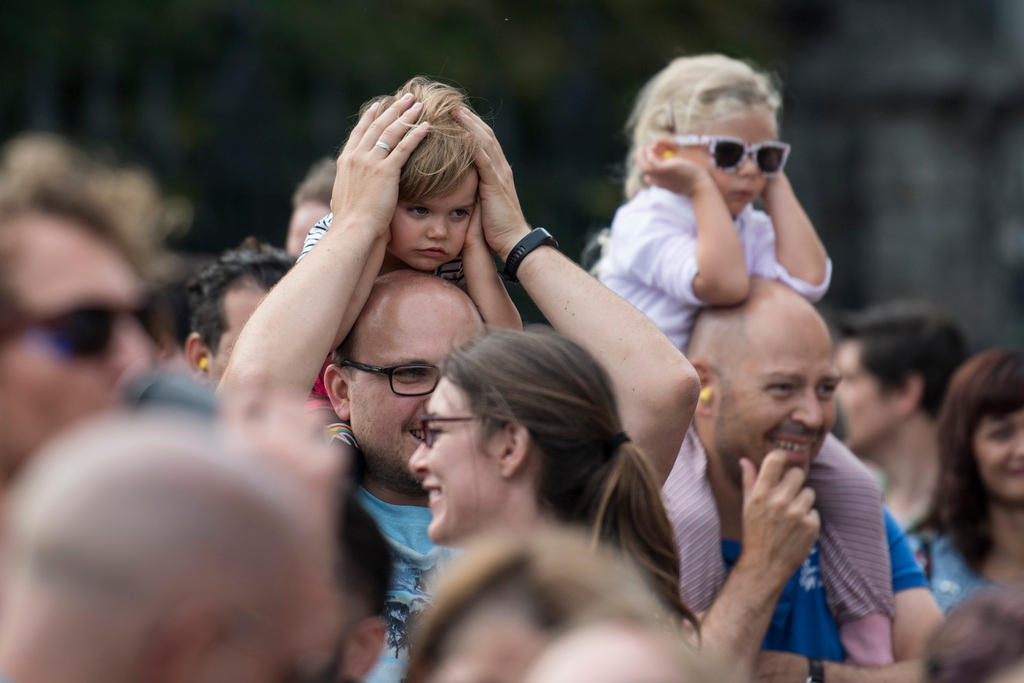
364	558
551	385
901	338
252	261
979	639
989	384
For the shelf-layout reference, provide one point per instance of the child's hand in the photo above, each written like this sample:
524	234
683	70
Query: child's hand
664	169
475	232
776	190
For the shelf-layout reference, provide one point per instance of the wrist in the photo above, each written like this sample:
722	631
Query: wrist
776	187
532	241
815	671
472	246
509	243
703	185
762	578
356	231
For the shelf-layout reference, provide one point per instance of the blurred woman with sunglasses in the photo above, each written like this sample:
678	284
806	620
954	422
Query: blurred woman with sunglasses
70	294
703	148
974	535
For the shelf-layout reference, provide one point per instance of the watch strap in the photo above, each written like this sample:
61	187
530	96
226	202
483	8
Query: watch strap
815	671
537	237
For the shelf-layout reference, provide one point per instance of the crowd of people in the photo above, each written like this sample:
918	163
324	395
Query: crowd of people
345	459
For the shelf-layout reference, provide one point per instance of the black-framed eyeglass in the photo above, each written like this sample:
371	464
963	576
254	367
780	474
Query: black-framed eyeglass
407	379
78	333
430	435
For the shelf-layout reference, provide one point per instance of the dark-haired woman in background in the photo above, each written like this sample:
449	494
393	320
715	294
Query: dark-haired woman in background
974	534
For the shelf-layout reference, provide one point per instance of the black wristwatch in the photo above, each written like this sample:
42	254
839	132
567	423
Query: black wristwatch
815	671
537	237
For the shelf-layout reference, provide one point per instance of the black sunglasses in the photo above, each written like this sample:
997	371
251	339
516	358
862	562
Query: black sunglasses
407	379
79	333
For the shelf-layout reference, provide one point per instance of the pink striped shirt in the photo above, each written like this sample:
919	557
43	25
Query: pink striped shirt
854	550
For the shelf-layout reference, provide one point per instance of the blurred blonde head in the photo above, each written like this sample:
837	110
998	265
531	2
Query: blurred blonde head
690	94
624	651
508	596
41	172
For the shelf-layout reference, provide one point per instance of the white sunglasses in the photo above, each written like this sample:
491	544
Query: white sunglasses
729	153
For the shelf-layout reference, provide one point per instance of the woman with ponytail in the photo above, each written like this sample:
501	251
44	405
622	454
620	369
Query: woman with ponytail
523	430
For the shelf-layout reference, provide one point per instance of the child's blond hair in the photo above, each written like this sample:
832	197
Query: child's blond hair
445	155
688	95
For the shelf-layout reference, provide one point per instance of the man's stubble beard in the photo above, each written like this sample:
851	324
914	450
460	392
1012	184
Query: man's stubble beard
391	472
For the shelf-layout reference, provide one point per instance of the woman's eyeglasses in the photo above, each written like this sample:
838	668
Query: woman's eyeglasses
728	153
409	379
79	333
430	435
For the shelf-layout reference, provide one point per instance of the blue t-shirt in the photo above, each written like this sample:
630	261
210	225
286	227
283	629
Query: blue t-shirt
802	622
415	558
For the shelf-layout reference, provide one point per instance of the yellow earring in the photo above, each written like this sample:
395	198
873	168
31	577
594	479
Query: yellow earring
668	154
203	363
705	394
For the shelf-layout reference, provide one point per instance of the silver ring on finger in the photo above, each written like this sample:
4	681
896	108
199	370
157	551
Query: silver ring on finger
383	145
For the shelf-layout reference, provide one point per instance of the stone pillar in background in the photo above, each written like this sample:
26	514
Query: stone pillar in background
909	154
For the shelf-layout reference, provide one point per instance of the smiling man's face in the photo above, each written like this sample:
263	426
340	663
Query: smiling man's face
418	320
776	391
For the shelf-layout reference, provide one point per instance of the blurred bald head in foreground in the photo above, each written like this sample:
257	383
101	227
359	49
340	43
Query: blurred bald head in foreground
149	550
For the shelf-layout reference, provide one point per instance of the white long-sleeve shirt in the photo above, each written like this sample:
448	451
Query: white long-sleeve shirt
651	259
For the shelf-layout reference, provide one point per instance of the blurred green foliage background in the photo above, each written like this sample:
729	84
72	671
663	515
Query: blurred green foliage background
903	113
228	102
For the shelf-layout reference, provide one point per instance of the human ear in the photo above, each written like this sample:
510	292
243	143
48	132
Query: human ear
513	443
664	148
198	355
908	396
708	388
336	381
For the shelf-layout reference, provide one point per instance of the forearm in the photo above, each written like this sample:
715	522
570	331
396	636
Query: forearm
797	246
371	270
735	624
917	617
290	333
656	387
486	290
909	671
721	278
785	667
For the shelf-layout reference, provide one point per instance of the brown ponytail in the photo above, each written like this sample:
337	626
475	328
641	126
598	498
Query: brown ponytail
621	514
